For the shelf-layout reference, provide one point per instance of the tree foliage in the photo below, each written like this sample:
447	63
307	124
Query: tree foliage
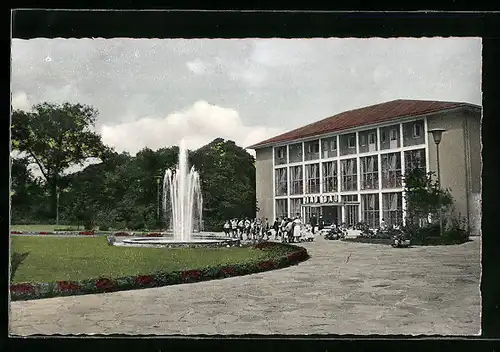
56	136
423	195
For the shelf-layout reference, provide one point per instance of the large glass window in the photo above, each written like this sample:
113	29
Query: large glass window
390	137
369	172
330	181
329	147
312	178
392	204
367	141
349	175
391	170
413	133
295	207
370	209
311	150
415	159
347	144
281	208
296	180
295	152
281	182
280	156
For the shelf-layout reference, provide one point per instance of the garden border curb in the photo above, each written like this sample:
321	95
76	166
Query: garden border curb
29	291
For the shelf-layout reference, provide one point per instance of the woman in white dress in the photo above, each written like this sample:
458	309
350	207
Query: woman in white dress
296	229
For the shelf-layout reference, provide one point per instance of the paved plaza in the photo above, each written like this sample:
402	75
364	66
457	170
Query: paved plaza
345	288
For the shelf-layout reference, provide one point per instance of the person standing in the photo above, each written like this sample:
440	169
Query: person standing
266	229
247	225
234	228
297	223
321	223
227	228
314	222
241	228
276	228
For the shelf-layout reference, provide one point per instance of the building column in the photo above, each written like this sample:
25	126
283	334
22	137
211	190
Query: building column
320	170
358	178
427	157
403	203
274	182
379	162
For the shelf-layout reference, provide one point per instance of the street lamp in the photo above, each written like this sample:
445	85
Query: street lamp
57	205
437	135
158	181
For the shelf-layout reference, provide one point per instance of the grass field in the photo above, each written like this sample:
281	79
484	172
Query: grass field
37	228
57	259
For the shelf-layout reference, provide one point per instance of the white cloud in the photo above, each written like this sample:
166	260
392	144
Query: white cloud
21	101
196	66
197	125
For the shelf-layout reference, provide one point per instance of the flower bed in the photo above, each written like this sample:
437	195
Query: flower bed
153	234
387	241
279	255
87	233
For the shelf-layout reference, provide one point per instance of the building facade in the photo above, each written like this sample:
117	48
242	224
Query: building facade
349	167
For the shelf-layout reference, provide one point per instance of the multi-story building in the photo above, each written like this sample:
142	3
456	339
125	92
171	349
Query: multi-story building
348	167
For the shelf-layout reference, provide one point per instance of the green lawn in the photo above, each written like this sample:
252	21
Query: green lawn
58	258
37	228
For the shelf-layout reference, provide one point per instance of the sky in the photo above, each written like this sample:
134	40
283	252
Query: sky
154	92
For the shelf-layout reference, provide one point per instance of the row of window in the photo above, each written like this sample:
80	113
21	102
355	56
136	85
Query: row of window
369	174
413	134
392	209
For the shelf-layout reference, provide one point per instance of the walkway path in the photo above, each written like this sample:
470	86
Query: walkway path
345	288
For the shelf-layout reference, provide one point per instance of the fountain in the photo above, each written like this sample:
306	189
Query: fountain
182	206
182	199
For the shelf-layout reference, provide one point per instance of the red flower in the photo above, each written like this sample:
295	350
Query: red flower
144	280
296	256
22	288
122	234
190	274
229	270
45	233
154	234
105	284
68	286
87	233
263	245
268	264
17	232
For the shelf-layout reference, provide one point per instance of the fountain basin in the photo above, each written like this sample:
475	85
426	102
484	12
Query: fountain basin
212	242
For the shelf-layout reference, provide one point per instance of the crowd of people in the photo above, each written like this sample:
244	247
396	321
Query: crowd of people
285	229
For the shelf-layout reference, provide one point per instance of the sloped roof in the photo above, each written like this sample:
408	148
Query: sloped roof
364	116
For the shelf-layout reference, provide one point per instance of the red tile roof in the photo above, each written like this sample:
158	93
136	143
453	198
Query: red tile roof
364	116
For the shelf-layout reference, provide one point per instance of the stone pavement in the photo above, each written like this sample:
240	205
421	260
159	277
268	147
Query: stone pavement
345	288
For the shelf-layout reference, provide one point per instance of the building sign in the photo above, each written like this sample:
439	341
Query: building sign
323	199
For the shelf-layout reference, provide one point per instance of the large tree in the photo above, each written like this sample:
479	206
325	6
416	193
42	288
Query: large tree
55	137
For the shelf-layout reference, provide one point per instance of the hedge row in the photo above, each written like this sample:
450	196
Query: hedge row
280	255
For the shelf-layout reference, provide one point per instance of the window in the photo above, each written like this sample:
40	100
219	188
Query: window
391	170
296	182
295	207
349	175
333	145
371	138
370	210
351	142
415	159
417	130
281	208
312	178
369	172
280	156
394	134
295	152
312	150
392	207
383	136
281	182
330	177
362	140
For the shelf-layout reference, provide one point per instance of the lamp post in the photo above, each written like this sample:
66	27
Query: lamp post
437	134
158	181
